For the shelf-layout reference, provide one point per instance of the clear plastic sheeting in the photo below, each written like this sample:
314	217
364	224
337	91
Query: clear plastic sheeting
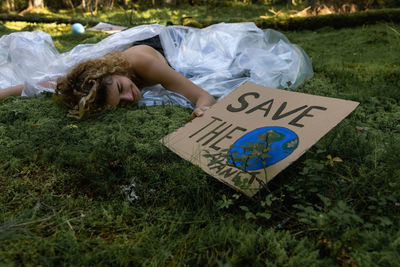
217	58
25	57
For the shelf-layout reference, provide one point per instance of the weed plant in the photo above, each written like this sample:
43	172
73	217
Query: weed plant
104	191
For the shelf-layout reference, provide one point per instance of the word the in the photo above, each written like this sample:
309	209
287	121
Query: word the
216	128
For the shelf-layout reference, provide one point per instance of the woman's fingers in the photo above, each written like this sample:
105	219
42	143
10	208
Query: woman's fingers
200	111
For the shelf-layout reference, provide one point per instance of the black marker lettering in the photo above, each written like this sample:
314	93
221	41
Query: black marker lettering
261	107
252	178
216	159
243	102
227	172
305	113
215	119
228	135
278	114
214	133
219	167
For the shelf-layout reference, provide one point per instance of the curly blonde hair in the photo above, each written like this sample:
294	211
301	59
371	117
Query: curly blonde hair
83	89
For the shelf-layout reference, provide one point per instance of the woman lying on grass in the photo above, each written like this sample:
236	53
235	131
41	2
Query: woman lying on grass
193	65
118	78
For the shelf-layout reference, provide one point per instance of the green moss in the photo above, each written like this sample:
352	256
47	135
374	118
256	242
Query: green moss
69	186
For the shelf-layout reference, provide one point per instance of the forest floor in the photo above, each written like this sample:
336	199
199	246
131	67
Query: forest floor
102	191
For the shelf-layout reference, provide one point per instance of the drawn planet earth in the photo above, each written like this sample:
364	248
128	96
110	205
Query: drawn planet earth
262	147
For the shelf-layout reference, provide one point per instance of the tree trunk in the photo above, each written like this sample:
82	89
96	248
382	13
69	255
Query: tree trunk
93	12
9	5
83	4
35	4
70	4
170	2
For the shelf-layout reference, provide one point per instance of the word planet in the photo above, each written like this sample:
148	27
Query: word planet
262	147
77	28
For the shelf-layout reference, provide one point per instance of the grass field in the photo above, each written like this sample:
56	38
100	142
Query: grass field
104	191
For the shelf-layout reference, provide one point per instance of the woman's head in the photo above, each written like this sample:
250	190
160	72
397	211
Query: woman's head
92	84
120	89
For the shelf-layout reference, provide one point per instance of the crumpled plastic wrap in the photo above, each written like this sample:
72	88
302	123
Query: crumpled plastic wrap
217	58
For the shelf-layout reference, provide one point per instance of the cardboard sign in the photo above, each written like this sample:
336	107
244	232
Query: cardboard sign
255	132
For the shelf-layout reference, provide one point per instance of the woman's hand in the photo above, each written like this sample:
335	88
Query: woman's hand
204	102
198	112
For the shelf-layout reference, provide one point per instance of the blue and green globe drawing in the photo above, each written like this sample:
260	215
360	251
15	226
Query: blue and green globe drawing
262	147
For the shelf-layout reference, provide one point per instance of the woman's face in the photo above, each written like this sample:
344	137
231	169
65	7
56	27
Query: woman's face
121	89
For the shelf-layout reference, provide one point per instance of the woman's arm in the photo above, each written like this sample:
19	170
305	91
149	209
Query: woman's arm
11	91
153	68
175	82
17	90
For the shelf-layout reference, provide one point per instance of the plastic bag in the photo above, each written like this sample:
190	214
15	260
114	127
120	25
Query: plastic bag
217	58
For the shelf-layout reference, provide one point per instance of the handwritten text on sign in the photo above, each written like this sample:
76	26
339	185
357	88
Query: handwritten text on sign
278	124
